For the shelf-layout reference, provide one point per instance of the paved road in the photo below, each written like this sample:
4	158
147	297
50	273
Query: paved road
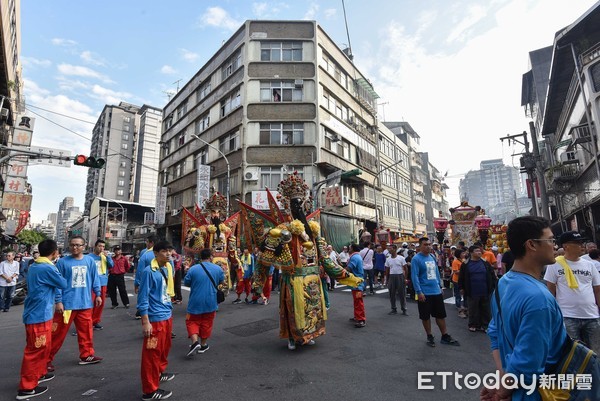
247	361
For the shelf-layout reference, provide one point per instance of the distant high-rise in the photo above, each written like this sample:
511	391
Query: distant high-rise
492	184
127	137
62	218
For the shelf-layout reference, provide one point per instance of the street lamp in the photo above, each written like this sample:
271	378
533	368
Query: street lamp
228	168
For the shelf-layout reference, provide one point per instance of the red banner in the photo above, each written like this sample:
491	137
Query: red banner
23	219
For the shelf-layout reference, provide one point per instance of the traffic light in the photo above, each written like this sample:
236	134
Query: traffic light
351	173
91	161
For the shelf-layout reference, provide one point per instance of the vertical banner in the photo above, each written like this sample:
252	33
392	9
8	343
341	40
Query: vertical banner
203	183
23	220
161	205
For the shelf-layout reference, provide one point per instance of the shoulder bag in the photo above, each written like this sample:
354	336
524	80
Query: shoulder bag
220	294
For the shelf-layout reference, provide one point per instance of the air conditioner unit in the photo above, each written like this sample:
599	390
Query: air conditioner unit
299	83
251	174
581	134
4	113
569	157
345	200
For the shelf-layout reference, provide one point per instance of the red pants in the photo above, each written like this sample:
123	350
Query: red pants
83	325
243	286
201	324
97	310
37	348
155	351
359	306
266	289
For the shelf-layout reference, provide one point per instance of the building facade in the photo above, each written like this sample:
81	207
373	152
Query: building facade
67	214
494	183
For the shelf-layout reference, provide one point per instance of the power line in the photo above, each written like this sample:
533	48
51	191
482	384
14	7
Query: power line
60	114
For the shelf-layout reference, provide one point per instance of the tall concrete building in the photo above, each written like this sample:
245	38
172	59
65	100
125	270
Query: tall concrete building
127	137
277	97
492	184
62	219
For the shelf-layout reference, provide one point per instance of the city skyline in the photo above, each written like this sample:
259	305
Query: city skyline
425	60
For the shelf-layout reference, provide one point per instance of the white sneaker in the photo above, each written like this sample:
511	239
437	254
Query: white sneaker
311	342
291	345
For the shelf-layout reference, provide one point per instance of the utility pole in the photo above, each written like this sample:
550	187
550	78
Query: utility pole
539	173
528	165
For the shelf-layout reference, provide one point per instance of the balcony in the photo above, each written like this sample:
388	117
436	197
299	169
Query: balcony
563	173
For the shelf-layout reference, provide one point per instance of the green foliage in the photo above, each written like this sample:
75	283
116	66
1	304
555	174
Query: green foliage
31	237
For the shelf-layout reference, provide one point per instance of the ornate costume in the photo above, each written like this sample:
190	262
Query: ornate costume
294	245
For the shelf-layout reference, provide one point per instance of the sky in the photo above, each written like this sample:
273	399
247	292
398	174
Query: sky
452	69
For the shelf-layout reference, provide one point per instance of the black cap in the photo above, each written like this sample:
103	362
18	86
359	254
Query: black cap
116	248
571	236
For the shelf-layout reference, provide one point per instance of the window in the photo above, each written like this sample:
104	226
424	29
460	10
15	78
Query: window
202	156
233	184
127	119
121	183
230	142
181	139
281	134
231	65
123	164
165	177
125	137
177	201
281	51
120	192
179	170
181	110
203	91
270	177
280	91
126	128
121	173
202	123
230	102
124	146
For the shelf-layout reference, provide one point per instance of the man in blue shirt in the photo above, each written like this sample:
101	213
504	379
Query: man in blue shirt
104	263
527	332
202	303
43	281
426	281
157	286
74	304
355	265
146	257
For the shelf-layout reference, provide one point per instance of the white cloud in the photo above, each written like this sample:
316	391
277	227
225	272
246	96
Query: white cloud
311	13
109	96
80	71
35	62
167	69
259	9
92	58
219	18
189	55
475	14
63	42
330	13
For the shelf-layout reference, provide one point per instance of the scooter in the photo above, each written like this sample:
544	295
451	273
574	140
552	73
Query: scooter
20	292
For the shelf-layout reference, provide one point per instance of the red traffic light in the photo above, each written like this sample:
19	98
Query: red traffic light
82	160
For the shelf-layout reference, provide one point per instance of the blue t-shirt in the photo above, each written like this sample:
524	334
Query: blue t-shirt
380	261
248	269
203	295
109	265
425	275
478	277
43	280
530	333
355	265
152	299
82	278
145	259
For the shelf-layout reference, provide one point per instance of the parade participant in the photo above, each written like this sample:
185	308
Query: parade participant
426	281
379	265
244	274
116	279
146	256
9	273
367	254
202	304
176	260
296	247
43	280
527	331
355	265
460	256
104	263
154	304
74	304
395	268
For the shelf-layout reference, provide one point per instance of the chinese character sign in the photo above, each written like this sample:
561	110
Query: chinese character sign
16	201
15	184
161	205
17	168
260	201
22	137
23	219
333	196
203	183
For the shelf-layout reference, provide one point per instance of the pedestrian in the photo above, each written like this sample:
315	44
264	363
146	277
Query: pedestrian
477	281
244	274
344	257
379	265
9	275
176	261
460	257
595	258
355	266
367	255
116	279
395	271
507	261
498	265
103	263
575	282
527	332
74	303
426	281
329	283
589	246
154	304
202	304
43	281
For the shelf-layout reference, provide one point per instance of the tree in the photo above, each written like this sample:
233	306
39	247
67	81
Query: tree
30	238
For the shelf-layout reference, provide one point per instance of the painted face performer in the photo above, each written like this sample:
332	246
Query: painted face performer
296	247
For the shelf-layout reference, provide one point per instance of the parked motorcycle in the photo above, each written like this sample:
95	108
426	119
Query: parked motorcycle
20	292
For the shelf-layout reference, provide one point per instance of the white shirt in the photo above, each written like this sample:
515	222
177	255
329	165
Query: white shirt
586	257
333	256
9	270
396	264
596	264
367	256
578	303
344	257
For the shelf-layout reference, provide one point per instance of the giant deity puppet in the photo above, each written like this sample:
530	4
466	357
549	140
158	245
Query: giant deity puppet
210	229
293	243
